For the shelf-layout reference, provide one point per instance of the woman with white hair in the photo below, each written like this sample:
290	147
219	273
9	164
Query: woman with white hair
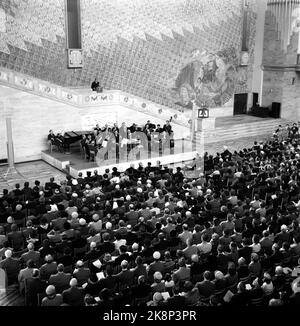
267	286
11	266
159	284
96	224
219	281
157	300
52	299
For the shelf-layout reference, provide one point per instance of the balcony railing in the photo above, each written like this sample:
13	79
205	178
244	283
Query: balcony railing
89	98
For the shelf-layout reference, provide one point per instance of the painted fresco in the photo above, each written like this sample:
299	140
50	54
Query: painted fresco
208	78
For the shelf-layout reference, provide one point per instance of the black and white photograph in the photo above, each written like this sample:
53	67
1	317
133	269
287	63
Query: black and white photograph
149	158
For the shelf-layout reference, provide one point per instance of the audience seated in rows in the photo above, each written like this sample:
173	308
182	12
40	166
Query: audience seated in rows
150	236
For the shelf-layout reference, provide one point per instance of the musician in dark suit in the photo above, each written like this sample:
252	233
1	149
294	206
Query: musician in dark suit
83	144
51	136
123	131
159	128
115	128
167	127
97	128
133	128
60	141
150	125
56	140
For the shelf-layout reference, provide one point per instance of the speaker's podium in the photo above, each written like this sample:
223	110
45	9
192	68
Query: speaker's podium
204	122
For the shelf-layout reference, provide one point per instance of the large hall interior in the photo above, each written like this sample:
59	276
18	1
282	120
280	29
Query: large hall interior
150	153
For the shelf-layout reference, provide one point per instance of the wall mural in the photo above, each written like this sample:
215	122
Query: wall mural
208	78
140	47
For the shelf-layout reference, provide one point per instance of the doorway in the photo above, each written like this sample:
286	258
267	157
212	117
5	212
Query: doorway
240	103
255	99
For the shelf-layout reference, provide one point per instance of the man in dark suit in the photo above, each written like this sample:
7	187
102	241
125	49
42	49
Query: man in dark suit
60	280
159	129
49	268
50	215
125	277
107	246
19	216
132	216
241	298
206	288
29	231
167	127
31	254
51	136
93	254
95	85
34	285
52	184
142	289
11	267
74	296
176	300
245	251
81	273
149	125
109	282
15	238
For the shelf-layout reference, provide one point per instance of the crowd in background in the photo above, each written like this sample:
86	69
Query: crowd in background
151	236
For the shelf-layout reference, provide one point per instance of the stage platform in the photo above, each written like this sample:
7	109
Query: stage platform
226	129
74	162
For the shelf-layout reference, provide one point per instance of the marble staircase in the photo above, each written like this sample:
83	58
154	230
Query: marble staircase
232	130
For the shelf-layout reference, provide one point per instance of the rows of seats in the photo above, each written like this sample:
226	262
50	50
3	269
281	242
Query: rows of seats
151	236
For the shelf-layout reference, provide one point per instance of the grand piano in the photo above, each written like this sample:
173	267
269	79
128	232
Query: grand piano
71	137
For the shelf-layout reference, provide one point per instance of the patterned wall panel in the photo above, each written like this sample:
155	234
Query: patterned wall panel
137	46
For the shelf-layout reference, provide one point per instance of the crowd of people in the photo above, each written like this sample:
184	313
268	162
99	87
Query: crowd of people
123	139
150	236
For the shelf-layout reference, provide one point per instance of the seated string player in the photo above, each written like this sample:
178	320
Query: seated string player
51	137
55	140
